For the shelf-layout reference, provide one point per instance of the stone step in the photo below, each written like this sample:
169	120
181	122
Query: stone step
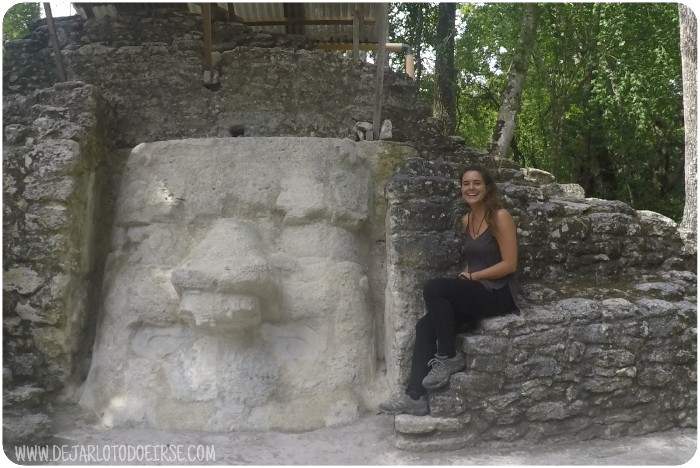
407	424
582	360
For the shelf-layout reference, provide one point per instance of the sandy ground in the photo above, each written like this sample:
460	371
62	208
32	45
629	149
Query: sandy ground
369	441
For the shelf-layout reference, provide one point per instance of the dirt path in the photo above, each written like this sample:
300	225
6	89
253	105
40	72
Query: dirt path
369	441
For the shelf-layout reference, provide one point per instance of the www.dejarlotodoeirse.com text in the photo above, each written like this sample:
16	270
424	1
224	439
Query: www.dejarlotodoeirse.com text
161	453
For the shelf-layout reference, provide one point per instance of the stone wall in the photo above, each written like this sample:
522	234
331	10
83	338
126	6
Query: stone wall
606	343
136	79
150	69
55	147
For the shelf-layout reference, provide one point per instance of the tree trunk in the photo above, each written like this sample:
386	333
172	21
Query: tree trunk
594	168
555	142
418	45
510	102
689	48
445	98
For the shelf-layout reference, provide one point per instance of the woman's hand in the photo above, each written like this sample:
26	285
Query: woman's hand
465	275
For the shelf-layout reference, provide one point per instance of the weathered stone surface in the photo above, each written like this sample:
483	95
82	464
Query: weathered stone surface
407	424
258	275
26	427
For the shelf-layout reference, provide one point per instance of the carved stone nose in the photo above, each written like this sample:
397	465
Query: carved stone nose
221	281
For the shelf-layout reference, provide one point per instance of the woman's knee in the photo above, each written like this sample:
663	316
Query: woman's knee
433	288
423	325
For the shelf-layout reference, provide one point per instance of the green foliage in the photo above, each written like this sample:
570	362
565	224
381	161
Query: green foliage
17	18
601	104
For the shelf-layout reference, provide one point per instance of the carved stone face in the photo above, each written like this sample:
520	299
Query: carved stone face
236	294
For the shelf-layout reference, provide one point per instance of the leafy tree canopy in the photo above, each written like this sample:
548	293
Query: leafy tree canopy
15	23
602	101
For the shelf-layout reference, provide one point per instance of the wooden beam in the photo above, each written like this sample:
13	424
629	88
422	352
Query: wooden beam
58	59
390	47
301	21
383	19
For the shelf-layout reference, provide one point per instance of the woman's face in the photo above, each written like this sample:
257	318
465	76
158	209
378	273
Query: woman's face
473	187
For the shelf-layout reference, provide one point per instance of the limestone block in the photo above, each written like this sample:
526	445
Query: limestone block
407	424
146	202
241	292
663	290
154	244
248	373
57	190
614	223
429	444
564	190
230	259
385	131
618	308
551	410
15	134
349	196
29	395
21	279
219	312
146	294
446	403
51	341
156	343
293	342
537	175
301	198
655	307
320	240
192	376
52	216
55	157
480	344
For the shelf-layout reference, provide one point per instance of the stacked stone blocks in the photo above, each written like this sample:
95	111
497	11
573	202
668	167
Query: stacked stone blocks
605	344
54	145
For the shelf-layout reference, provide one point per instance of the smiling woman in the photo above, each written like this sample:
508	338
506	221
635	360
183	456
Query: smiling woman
486	287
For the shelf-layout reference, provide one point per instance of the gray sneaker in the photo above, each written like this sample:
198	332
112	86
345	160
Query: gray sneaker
442	369
404	404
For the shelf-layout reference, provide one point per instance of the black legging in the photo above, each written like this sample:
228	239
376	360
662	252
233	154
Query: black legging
453	305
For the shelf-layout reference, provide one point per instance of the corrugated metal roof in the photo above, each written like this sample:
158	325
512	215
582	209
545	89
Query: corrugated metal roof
320	22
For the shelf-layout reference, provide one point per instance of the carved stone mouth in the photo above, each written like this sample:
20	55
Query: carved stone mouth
221	282
220	312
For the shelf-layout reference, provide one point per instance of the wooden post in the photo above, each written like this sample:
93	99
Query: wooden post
60	71
206	19
231	11
356	32
382	20
410	68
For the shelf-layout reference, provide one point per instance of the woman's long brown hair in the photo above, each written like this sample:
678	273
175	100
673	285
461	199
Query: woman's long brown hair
492	201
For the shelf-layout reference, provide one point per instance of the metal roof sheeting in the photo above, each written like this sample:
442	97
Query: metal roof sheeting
320	22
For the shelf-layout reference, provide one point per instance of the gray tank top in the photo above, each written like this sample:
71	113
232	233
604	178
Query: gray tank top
483	252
